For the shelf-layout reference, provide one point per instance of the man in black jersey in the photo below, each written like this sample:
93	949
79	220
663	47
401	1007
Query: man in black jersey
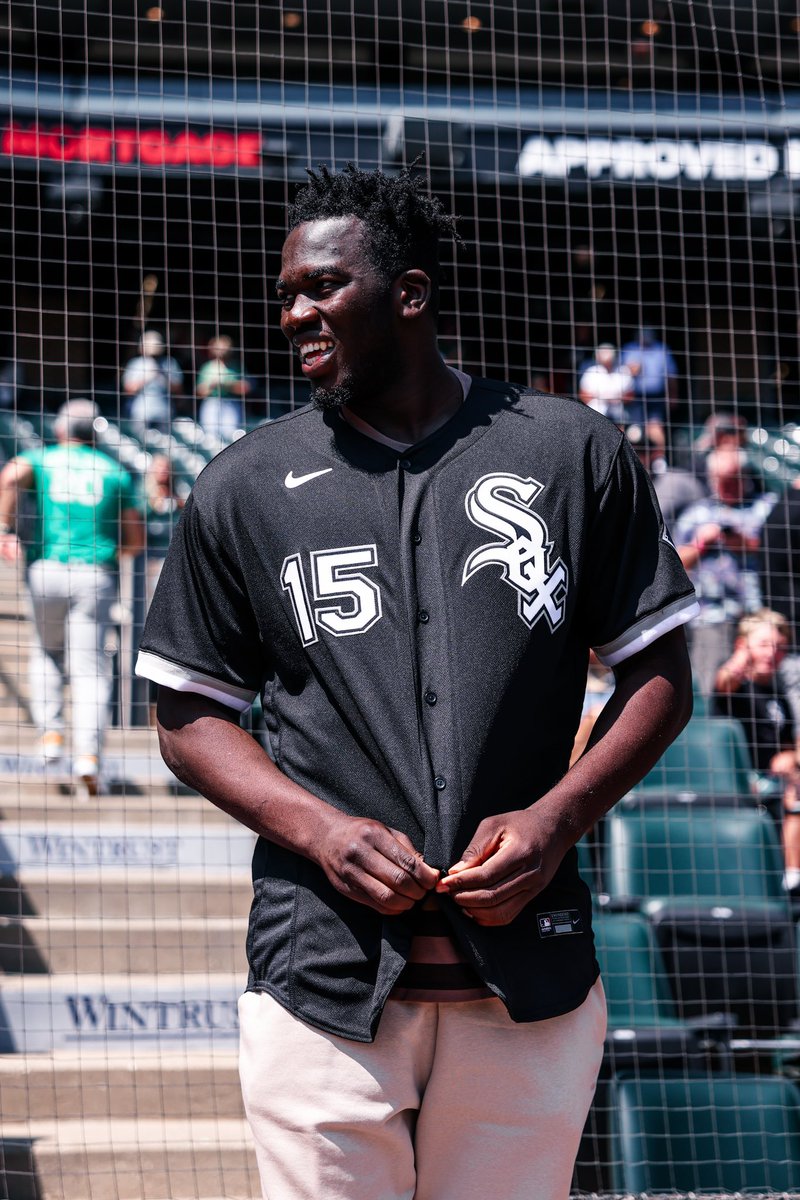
411	572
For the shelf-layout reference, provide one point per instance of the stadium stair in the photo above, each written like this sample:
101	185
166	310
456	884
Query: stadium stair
122	932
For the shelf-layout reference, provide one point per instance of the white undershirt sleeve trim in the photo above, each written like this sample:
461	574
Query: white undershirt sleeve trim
647	631
184	679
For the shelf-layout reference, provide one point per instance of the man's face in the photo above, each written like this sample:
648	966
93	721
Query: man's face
337	312
767	647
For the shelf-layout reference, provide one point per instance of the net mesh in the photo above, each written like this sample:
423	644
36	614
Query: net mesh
624	176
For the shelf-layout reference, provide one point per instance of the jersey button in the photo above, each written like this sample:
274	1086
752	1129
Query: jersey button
405	463
431	697
440	783
416	537
423	616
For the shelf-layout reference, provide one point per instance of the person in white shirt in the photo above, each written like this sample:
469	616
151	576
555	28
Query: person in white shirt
150	380
605	386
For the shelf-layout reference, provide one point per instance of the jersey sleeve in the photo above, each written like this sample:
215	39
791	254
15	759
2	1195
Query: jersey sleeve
635	589
201	634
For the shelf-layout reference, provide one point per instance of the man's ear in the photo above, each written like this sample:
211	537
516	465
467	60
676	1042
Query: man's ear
413	291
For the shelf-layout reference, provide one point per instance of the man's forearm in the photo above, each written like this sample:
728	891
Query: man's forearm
651	703
513	856
14	476
203	744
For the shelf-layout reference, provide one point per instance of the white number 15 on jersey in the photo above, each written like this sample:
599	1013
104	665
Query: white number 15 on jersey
345	601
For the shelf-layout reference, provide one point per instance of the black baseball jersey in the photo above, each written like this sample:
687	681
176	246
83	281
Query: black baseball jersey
418	625
765	715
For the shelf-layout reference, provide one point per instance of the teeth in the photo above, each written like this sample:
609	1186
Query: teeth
310	348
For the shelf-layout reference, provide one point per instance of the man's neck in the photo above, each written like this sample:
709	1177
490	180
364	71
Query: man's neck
413	408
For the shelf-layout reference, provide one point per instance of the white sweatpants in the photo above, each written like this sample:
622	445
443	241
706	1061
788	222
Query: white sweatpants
450	1102
70	604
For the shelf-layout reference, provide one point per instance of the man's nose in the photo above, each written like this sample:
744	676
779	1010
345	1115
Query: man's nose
301	312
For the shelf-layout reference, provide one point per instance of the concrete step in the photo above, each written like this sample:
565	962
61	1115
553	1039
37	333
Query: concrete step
146	1159
69	945
35	802
101	1014
132	740
115	893
66	1085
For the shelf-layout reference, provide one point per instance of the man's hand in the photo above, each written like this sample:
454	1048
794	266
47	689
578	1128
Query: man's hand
10	548
374	865
784	764
510	859
203	744
514	856
739	543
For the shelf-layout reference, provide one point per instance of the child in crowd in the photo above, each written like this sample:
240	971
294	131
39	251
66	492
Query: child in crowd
747	687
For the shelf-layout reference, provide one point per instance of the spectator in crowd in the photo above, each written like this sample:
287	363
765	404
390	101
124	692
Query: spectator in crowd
221	388
718	540
164	500
655	378
11	381
780	579
675	488
151	380
747	687
605	386
721	431
88	512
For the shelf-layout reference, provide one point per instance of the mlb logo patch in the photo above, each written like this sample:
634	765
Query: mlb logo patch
557	924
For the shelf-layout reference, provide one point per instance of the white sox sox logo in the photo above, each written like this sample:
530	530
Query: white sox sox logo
501	503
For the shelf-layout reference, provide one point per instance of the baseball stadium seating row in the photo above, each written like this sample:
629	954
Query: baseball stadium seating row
699	951
689	1133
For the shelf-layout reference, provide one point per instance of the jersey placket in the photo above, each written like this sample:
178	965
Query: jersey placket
428	624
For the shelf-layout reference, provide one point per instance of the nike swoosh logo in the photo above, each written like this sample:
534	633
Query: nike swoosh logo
293	481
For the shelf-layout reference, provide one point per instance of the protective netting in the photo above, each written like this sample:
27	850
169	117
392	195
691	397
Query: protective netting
624	176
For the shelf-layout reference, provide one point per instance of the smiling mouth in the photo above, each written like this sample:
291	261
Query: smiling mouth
313	354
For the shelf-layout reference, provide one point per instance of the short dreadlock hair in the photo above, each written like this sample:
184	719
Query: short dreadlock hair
404	222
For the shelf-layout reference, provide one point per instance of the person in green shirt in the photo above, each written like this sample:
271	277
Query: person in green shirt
221	389
87	513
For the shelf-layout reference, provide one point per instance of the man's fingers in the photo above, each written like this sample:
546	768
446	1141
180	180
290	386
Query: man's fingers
501	867
423	873
377	855
411	860
483	846
370	891
499	894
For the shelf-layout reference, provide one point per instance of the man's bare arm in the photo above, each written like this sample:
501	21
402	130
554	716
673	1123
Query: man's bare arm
204	745
132	532
16	476
513	856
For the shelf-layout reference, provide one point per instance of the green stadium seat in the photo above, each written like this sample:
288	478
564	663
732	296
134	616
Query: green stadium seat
586	864
637	991
710	757
644	1028
728	855
710	879
718	1133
